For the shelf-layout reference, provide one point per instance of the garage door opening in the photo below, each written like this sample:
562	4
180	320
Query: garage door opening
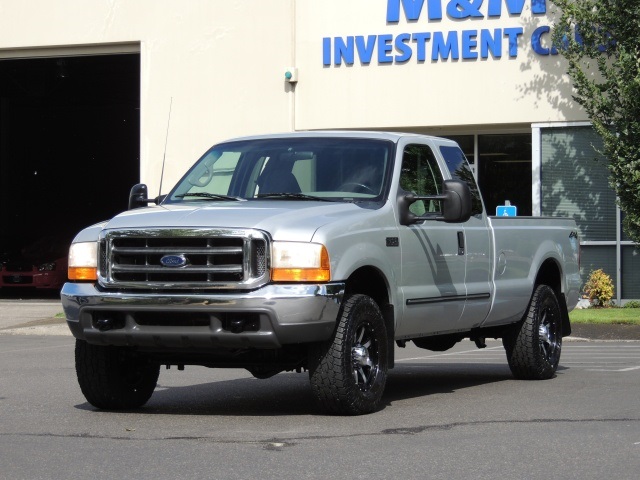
69	153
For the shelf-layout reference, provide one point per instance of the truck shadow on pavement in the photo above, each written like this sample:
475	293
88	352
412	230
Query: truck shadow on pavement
409	380
290	393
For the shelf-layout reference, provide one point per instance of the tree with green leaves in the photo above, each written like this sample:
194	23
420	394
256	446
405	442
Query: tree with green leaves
601	41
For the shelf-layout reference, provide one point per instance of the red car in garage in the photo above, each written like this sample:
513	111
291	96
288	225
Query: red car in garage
41	265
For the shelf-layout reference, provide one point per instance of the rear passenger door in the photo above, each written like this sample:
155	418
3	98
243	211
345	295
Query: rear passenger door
432	286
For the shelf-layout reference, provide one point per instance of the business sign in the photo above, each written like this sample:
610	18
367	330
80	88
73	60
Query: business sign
420	46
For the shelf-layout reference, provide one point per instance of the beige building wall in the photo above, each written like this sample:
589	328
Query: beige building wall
412	94
221	64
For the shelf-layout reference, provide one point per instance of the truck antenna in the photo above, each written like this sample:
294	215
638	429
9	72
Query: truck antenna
164	155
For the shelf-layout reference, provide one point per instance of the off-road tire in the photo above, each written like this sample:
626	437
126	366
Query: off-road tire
348	373
114	378
534	345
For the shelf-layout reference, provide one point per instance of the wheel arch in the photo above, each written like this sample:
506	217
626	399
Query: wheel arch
550	274
370	281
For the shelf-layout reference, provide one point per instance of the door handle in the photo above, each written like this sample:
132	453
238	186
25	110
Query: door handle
460	243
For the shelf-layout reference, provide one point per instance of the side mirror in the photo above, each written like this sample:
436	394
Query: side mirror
138	197
456	204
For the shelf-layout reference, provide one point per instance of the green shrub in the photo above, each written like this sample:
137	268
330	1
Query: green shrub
599	288
632	304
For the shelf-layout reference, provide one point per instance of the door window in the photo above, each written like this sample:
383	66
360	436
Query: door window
421	175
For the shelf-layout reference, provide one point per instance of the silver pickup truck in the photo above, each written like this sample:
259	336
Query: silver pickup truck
317	251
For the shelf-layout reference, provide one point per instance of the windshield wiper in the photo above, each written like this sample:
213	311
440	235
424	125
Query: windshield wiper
293	196
210	196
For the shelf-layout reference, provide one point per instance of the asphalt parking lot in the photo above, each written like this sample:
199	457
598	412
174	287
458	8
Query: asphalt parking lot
454	415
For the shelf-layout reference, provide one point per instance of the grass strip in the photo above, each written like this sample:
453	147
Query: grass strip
607	316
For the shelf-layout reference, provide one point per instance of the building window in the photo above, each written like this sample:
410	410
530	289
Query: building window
502	166
630	268
574	182
504	171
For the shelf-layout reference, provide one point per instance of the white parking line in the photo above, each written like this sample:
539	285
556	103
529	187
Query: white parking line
629	358
597	361
629	369
594	358
596	347
427	357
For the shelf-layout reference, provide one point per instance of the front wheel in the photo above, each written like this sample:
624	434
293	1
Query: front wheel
114	378
348	373
533	346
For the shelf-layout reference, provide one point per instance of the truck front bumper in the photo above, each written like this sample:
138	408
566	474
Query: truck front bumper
268	317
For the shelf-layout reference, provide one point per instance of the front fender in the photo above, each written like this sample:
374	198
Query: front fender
371	241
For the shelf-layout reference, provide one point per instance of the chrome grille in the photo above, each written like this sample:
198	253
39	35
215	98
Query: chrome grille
208	258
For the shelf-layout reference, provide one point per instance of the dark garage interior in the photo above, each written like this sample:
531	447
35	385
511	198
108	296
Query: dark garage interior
69	153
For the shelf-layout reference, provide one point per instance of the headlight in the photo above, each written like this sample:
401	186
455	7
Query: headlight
83	261
47	267
299	262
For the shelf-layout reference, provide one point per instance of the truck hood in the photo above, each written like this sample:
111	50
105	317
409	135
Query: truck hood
283	219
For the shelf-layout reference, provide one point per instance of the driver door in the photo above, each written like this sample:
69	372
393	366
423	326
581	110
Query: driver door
432	287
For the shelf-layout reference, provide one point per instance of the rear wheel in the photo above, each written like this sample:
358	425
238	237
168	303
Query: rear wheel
534	345
348	373
114	378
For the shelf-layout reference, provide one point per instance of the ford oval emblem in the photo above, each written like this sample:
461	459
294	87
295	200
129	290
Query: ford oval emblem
174	261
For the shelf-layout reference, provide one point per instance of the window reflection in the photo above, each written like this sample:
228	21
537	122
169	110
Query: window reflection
421	176
460	170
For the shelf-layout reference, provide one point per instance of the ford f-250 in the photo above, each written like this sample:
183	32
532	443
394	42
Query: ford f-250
316	251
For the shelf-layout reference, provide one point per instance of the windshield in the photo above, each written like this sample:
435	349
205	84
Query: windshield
303	169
